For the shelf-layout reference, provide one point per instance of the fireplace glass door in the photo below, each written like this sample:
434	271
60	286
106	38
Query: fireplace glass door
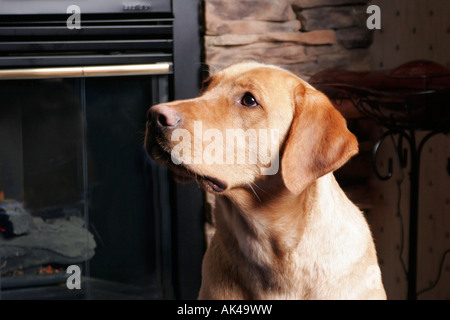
78	215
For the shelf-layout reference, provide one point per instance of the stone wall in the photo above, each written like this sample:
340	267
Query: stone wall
304	36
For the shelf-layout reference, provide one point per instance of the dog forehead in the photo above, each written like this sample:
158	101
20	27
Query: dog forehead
243	74
242	70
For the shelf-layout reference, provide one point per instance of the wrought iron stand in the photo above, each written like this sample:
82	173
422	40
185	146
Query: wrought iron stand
415	153
413	97
406	131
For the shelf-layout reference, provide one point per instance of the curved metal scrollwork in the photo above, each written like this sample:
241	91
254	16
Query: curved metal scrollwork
414	157
400	152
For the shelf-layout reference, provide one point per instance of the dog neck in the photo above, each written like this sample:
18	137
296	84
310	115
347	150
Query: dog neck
265	221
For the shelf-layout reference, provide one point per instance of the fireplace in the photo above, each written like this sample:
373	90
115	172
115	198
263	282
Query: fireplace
84	213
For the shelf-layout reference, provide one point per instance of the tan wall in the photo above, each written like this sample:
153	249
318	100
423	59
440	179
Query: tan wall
411	30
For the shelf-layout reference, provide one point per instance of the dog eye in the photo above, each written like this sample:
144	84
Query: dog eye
249	101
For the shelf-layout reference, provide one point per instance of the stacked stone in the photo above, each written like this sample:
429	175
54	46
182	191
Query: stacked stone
304	36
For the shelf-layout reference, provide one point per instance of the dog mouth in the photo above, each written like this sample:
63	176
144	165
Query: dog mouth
184	174
213	184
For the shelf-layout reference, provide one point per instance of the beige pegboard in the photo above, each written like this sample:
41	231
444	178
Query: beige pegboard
411	29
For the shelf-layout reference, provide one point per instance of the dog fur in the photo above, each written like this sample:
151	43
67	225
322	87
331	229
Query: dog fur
290	235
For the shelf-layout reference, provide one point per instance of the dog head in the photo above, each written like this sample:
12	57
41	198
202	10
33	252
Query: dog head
250	121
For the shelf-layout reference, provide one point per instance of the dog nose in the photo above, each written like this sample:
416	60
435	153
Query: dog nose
165	116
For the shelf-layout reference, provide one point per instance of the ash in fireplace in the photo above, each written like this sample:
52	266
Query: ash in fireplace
14	219
27	241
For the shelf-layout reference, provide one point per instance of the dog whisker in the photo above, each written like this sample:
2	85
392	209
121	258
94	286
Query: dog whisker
254	183
250	185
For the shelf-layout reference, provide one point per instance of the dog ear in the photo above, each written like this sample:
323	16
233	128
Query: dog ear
318	141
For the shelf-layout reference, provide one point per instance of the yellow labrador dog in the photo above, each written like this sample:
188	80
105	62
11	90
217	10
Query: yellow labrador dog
266	143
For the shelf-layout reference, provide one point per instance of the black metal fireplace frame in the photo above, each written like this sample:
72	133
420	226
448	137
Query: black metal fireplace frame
182	235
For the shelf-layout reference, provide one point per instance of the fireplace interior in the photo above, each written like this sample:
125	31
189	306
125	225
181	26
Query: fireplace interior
77	190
